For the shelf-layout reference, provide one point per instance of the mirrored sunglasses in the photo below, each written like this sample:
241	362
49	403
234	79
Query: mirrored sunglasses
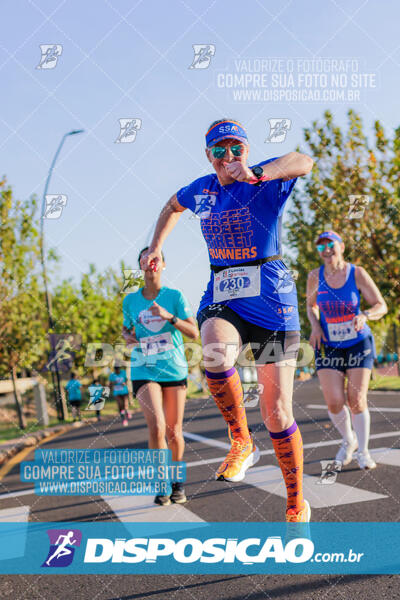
321	247
220	151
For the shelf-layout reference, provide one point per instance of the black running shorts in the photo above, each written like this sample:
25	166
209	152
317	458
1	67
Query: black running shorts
268	346
137	384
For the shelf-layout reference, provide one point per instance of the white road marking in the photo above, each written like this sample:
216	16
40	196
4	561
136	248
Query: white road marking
16	494
210	461
383	392
138	509
375	436
16	514
269	479
205	440
379	392
371	408
386	456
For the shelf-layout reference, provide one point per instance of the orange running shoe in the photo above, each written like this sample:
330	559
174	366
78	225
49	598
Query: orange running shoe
302	516
241	457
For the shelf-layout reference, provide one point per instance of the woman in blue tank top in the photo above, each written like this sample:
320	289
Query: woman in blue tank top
343	343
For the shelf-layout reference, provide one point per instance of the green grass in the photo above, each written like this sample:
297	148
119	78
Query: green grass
390	382
9	431
194	395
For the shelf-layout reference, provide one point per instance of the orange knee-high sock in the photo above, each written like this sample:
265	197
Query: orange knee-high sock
226	389
288	446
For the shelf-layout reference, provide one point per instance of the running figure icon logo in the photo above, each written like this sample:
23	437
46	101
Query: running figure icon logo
128	130
133	280
98	396
286	281
202	56
358	204
204	204
62	547
50	55
62	350
330	470
251	396
278	129
54	206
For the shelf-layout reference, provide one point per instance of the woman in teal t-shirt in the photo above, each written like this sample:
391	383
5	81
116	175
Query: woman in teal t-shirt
73	388
154	319
117	380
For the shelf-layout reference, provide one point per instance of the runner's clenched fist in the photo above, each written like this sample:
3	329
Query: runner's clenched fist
237	170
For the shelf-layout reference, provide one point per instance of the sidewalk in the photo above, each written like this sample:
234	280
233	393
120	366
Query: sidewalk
11	447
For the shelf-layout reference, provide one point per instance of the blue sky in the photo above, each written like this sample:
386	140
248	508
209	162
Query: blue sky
123	59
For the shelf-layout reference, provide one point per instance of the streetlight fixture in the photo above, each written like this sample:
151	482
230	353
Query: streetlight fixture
55	375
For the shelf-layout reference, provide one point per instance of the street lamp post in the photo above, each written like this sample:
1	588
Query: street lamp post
55	375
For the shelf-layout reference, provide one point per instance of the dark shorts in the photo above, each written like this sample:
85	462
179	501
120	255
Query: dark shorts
359	356
75	403
268	346
137	384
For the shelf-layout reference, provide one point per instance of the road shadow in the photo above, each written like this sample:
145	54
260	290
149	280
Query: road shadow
298	591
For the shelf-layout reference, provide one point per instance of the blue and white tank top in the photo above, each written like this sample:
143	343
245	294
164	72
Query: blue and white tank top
337	308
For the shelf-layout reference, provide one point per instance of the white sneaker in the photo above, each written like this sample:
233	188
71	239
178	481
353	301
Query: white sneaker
365	460
346	451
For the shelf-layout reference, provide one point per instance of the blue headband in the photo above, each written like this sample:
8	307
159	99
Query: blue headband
226	130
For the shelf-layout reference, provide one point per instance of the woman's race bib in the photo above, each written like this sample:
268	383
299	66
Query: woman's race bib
237	282
119	384
156	344
341	332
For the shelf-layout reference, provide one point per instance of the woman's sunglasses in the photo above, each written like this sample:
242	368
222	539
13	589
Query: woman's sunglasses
321	247
220	151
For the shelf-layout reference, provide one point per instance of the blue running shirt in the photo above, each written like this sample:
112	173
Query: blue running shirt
73	388
119	381
160	355
240	223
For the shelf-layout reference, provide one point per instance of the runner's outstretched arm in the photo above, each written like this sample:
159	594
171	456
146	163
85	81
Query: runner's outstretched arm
167	220
286	167
378	307
289	166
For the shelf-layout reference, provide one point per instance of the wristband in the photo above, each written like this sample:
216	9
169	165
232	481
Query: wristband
153	265
255	180
173	320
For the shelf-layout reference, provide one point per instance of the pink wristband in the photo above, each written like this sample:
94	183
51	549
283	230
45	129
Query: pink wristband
255	180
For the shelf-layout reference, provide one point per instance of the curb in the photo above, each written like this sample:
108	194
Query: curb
11	448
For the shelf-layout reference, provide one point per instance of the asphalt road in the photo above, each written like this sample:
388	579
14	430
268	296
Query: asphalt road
356	496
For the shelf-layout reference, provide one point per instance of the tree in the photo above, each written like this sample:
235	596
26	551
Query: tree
347	164
92	309
22	308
